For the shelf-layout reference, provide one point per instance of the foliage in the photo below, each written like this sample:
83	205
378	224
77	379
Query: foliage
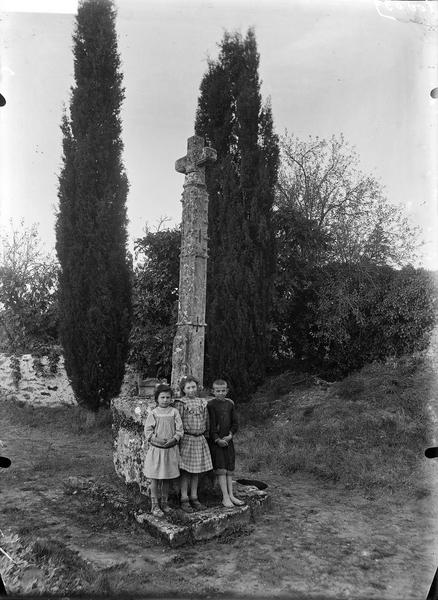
14	364
361	315
320	181
241	183
28	292
349	315
300	249
338	292
94	291
155	302
46	369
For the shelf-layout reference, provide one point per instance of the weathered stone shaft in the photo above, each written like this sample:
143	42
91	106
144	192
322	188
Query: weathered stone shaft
188	346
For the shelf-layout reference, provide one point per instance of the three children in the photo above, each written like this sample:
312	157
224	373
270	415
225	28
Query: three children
190	422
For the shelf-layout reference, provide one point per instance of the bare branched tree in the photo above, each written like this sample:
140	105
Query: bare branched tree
321	180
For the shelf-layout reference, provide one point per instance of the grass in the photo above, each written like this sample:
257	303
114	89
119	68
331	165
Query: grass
45	550
230	535
367	431
55	434
70	419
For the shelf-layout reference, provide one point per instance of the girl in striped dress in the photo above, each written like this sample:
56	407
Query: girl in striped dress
194	451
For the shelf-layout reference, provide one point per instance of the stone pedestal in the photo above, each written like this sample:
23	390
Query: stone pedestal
129	451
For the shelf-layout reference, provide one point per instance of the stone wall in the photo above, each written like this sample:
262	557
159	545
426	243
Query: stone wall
37	386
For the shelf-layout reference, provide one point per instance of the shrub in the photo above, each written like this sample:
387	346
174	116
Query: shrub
363	313
155	302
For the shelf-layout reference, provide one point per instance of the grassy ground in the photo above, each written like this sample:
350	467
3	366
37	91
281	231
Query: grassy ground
366	431
352	514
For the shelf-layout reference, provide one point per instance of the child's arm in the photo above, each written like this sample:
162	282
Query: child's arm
212	423
234	424
149	427
149	430
179	407
207	422
214	435
234	420
179	431
179	428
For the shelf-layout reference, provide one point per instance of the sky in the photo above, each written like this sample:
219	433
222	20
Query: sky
329	66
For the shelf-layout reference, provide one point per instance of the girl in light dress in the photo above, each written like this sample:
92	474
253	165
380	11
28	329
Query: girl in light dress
163	430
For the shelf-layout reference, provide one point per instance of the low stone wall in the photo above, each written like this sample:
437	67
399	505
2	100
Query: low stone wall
38	386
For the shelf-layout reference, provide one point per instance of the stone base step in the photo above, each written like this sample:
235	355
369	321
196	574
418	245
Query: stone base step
198	526
179	527
182	528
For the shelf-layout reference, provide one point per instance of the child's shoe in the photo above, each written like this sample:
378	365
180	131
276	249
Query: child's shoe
156	510
185	506
196	504
166	508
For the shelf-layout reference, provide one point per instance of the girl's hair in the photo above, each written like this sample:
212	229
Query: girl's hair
162	387
185	380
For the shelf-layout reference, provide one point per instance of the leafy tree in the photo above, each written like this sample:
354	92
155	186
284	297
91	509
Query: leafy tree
155	302
301	246
320	181
336	238
241	183
94	292
368	313
28	292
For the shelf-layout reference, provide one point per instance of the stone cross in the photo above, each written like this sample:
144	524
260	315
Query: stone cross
188	345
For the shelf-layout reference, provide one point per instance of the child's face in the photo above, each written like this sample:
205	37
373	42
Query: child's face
164	399
190	389
220	391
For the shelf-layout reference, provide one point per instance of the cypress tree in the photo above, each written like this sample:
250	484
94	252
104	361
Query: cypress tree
91	236
241	185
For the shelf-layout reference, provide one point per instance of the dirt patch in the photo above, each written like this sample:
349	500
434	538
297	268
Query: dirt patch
319	538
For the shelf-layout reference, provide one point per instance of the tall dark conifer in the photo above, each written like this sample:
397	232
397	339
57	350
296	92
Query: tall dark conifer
91	237
241	185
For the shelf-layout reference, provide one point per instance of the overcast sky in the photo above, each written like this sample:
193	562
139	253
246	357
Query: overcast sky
328	66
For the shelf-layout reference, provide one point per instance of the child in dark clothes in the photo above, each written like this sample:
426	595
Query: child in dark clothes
223	425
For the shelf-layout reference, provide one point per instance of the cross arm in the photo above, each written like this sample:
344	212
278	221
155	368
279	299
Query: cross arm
208	155
180	165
